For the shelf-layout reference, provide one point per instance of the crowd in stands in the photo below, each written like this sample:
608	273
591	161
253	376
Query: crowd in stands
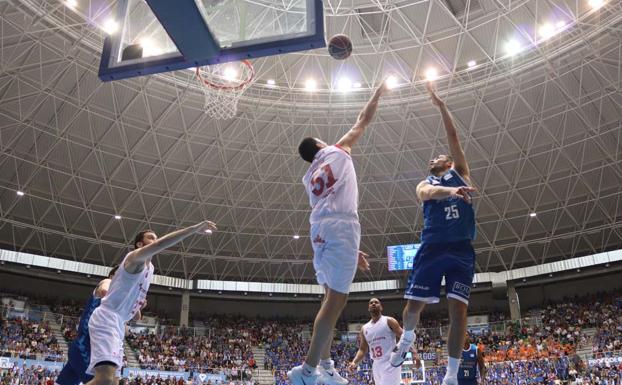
226	349
29	339
27	376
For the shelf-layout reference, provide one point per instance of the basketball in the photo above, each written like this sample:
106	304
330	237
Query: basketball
340	47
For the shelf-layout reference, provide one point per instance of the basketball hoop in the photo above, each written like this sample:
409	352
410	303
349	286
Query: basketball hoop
223	85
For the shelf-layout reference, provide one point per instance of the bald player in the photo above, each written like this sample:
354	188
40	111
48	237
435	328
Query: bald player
378	337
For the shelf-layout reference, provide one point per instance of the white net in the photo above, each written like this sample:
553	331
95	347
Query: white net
223	85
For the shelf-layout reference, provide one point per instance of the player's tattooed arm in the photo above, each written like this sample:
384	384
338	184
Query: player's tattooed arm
426	192
136	259
365	117
360	354
455	149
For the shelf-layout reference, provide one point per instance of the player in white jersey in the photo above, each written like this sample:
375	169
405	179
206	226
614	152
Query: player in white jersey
379	337
335	233
125	298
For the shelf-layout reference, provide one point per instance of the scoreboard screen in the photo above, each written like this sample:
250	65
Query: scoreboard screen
402	257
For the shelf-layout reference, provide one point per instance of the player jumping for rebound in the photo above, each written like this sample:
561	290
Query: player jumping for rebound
335	233
79	353
448	229
378	337
472	361
126	296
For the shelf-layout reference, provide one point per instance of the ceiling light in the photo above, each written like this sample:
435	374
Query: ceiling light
512	47
20	193
270	82
117	217
356	85
391	81
546	31
71	3
310	85
344	84
532	215
596	4
208	231
472	63
560	24
110	26
296	236
230	73
431	74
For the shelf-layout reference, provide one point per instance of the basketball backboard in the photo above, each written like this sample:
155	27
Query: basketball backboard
153	36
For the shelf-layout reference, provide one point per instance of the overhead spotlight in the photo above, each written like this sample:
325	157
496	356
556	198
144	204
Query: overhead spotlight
560	24
71	3
512	47
230	73
110	26
117	217
391	81
471	63
532	215
596	4
19	193
310	85
546	31
208	231
356	85
431	74
344	84
296	236
270	82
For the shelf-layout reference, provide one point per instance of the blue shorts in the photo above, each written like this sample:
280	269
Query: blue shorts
466	382
454	260
74	370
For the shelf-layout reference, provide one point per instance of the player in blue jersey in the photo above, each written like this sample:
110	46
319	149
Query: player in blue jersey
472	361
79	353
446	251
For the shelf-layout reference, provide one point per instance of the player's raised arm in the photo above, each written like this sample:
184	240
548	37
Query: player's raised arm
360	354
455	149
135	259
426	192
365	117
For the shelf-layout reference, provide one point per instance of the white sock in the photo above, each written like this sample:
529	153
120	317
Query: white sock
327	363
308	370
452	367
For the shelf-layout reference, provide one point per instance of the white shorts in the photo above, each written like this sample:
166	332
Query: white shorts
335	242
386	374
107	335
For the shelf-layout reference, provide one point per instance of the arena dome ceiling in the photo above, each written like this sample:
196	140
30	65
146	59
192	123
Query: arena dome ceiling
541	129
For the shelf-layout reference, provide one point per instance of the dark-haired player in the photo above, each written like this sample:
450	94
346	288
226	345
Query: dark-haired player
446	251
126	296
335	233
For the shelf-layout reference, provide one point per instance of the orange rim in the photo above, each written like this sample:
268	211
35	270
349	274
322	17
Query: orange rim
238	87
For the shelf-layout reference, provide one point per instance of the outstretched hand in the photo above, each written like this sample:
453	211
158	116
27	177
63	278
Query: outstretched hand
363	264
433	96
463	193
205	227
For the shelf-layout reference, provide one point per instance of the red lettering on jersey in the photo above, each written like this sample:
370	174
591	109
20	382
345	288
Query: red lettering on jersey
320	183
